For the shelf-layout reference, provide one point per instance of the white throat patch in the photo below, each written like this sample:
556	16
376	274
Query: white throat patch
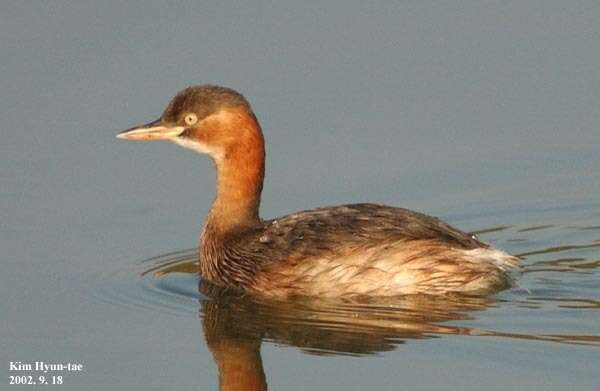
198	146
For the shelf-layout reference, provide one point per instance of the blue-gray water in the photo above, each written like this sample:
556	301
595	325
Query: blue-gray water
486	114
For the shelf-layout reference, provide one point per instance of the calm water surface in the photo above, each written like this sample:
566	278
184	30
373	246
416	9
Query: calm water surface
485	114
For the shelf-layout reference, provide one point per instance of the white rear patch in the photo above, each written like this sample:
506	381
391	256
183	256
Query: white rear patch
502	260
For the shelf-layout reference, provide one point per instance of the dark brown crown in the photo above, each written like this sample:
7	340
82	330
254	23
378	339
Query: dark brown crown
202	100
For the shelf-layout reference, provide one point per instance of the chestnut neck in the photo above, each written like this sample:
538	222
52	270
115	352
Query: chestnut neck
240	174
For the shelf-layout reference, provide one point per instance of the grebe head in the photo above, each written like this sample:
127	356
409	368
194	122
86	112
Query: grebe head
217	121
208	119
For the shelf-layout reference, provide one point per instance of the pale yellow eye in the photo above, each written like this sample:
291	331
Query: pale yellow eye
190	119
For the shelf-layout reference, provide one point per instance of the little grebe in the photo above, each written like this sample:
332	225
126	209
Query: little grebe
348	250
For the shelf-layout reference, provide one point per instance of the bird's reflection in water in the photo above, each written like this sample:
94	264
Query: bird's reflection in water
235	325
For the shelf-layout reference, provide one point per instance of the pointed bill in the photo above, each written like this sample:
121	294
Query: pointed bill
152	131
